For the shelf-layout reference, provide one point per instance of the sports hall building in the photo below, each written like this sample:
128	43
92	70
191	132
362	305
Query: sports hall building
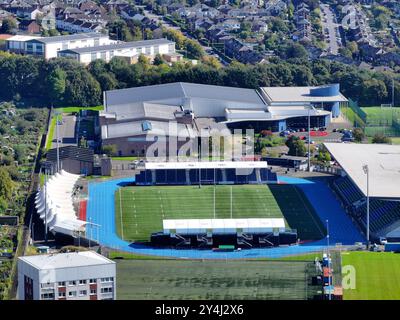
133	118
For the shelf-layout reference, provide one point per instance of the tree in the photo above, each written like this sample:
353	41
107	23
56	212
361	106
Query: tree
19	153
194	49
107	81
158	60
358	135
374	91
56	85
6	185
295	50
109	149
9	25
296	146
380	138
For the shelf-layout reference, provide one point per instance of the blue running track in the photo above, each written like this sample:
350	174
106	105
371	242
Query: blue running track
101	211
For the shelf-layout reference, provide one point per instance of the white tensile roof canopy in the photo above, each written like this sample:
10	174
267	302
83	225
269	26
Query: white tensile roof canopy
383	162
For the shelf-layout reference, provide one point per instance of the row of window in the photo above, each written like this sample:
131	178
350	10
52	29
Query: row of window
72	294
106	290
108	279
74	282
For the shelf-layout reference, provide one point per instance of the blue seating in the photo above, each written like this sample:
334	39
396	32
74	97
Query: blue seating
382	214
208	176
347	190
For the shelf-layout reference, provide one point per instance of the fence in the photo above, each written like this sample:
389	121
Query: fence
384	121
358	111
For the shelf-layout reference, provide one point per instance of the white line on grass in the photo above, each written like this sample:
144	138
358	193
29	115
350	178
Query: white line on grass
120	211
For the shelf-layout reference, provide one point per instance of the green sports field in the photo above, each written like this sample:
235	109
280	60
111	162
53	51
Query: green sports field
377	116
196	279
377	275
139	211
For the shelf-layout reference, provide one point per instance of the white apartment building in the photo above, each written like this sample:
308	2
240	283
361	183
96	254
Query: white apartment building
48	47
129	50
84	275
17	43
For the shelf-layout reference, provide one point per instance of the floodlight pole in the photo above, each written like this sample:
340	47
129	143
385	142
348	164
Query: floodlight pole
366	171
58	150
309	138
392	93
45	205
329	259
199	156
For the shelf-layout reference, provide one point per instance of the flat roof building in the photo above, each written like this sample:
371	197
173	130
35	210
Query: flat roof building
211	107
131	50
48	47
84	275
327	97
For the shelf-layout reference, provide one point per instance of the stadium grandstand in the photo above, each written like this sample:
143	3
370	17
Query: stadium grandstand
212	232
54	204
383	163
214	172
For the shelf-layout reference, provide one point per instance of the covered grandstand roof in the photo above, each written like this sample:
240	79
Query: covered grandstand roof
198	225
56	204
383	162
206	165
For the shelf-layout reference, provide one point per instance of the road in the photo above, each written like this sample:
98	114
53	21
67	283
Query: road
66	132
329	22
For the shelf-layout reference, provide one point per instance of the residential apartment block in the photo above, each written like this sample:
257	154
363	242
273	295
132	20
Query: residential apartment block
129	50
48	47
83	275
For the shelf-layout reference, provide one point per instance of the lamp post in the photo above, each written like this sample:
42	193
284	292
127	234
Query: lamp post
309	139
329	259
366	171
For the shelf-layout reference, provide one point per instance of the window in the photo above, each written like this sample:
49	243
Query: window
72	283
47	296
109	279
61	294
107	290
72	294
82	282
91	281
133	151
93	292
82	293
61	284
146	125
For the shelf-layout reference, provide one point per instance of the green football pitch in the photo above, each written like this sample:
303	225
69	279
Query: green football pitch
197	279
139	211
381	116
377	275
